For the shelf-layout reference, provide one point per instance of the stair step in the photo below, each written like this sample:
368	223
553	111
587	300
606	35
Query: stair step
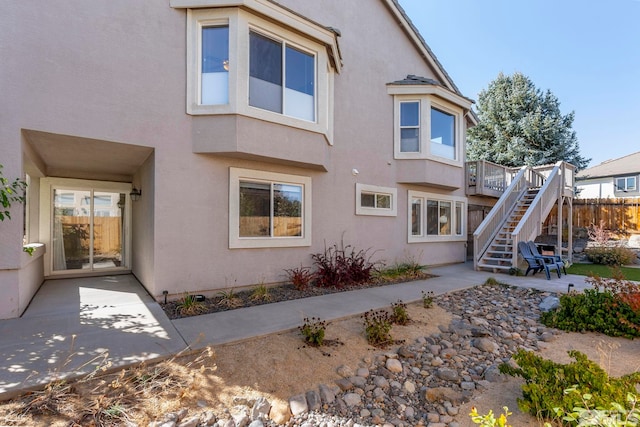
495	267
491	251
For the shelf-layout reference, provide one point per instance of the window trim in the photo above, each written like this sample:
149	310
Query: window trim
284	44
235	241
375	189
427	103
241	22
456	201
626	188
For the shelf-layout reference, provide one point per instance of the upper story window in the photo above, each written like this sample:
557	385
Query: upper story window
410	127
429	121
274	66
281	77
428	128
627	183
443	134
214	77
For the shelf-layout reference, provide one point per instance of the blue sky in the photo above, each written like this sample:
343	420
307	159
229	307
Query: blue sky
586	52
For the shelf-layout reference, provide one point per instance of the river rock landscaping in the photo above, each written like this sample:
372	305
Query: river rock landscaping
420	383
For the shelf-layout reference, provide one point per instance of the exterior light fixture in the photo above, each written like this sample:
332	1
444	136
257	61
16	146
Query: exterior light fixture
135	194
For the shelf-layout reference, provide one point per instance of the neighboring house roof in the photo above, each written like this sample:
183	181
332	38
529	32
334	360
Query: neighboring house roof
626	165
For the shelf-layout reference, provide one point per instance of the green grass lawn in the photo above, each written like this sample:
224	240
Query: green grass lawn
603	271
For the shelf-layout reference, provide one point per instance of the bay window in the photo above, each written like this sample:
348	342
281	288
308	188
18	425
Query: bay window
429	120
251	64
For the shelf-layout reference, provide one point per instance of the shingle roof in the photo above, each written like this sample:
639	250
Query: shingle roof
628	164
417	80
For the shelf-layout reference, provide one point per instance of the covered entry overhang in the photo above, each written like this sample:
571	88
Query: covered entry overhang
68	156
79	202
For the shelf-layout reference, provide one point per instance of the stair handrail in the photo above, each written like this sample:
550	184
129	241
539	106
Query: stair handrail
490	225
531	222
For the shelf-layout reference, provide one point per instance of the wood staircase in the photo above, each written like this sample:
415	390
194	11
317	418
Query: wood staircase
520	212
499	254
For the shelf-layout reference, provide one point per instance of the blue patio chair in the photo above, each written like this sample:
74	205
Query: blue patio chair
536	264
555	258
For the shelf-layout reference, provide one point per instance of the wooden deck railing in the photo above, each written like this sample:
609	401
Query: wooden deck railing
488	179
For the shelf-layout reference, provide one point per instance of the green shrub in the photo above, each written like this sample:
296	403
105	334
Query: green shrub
313	330
399	313
377	325
594	311
610	255
616	415
546	382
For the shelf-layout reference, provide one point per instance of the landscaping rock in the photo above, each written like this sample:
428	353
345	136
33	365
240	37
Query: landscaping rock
549	303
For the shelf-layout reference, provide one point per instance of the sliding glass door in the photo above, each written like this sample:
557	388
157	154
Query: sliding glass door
88	230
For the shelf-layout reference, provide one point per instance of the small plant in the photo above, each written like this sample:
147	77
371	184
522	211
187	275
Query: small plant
377	325
261	293
10	192
229	299
399	314
611	255
313	330
514	271
492	281
300	277
546	381
489	420
427	299
190	306
604	251
598	234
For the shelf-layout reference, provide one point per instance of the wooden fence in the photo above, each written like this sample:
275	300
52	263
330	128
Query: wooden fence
107	238
617	214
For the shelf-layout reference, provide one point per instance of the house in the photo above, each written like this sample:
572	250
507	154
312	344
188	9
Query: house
617	178
256	132
203	145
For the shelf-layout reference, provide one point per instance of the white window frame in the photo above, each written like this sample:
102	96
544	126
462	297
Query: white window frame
235	241
241	22
376	190
626	187
427	102
456	202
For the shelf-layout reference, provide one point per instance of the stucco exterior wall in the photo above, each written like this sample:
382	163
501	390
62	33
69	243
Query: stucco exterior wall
114	70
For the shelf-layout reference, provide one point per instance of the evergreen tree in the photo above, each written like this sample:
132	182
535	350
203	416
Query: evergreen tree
520	125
